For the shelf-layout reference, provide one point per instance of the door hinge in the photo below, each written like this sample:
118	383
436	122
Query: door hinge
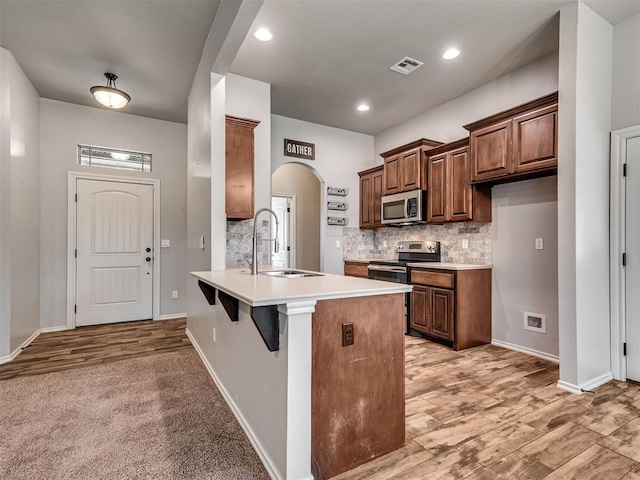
624	349
75	309
288	210
624	259
624	169
288	249
76	253
76	198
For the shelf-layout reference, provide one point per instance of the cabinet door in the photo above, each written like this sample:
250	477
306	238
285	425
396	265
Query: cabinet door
491	151
410	170
376	182
441	317
535	140
239	176
436	189
366	221
420	307
392	175
459	186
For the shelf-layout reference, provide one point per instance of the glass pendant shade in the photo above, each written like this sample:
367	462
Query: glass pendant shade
110	96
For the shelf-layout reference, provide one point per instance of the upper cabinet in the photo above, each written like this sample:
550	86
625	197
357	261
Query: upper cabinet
404	167
370	195
450	195
239	167
516	144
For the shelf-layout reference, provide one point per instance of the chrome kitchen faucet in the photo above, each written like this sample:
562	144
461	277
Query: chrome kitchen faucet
276	247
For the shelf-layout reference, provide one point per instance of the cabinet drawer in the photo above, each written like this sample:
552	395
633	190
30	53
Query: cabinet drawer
435	279
356	269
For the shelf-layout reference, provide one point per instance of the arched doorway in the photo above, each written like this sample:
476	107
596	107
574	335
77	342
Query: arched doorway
296	196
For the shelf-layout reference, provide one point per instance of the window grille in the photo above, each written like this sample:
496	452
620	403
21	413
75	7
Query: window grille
112	158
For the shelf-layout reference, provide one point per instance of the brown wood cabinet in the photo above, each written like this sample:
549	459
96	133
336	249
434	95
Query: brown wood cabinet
356	269
452	306
404	167
239	167
370	195
516	144
450	195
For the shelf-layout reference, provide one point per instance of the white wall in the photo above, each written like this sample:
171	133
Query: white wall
63	127
625	108
19	206
339	155
444	123
525	279
583	197
512	237
296	179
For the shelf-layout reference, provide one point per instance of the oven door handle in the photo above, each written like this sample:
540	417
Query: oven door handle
383	268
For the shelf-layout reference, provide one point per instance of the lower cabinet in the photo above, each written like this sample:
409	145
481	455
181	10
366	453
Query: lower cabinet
356	269
452	306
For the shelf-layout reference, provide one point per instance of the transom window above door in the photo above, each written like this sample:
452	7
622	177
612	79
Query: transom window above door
114	158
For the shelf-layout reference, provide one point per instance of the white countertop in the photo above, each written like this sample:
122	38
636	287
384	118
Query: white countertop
449	266
260	290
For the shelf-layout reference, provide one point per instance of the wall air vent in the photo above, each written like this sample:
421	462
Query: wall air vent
406	65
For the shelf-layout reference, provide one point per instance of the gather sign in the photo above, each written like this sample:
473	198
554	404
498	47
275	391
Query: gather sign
295	148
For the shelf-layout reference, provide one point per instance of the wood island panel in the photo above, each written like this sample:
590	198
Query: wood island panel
357	392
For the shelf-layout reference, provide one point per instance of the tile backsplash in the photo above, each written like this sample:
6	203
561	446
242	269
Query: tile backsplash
381	243
240	242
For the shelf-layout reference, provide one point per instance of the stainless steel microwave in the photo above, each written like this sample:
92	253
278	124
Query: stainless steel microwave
404	208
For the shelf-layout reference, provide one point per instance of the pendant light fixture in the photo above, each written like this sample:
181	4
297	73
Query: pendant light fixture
110	96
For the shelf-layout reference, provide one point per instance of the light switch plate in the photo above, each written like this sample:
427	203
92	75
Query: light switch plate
465	243
165	243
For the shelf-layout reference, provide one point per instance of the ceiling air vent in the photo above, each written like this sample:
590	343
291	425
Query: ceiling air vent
406	65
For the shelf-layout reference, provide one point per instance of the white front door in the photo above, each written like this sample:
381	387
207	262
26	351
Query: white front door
281	206
114	241
632	269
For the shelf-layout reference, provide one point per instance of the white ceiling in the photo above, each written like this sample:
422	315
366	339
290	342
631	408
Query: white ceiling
326	55
154	46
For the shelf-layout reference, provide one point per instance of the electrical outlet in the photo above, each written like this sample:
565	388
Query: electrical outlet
337	243
539	244
174	294
214	334
347	334
465	243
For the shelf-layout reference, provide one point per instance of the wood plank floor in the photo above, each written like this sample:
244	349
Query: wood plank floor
489	414
96	345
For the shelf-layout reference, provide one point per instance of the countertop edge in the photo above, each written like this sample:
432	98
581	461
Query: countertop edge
387	289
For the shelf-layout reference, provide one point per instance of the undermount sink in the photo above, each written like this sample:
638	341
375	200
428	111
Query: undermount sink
290	274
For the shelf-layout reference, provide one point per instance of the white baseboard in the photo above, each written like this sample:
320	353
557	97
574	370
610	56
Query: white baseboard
569	387
528	351
266	461
598	381
586	387
171	316
17	351
59	328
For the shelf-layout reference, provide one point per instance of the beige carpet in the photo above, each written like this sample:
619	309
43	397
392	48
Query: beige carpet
146	418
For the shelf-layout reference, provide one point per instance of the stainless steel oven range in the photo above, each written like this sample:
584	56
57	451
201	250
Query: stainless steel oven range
396	270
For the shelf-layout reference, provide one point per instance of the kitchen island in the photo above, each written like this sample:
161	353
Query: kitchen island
312	367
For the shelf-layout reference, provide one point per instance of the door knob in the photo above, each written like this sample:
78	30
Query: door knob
148	249
148	259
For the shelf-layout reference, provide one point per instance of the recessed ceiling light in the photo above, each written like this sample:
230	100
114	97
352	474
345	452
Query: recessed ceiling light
451	53
263	34
363	107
